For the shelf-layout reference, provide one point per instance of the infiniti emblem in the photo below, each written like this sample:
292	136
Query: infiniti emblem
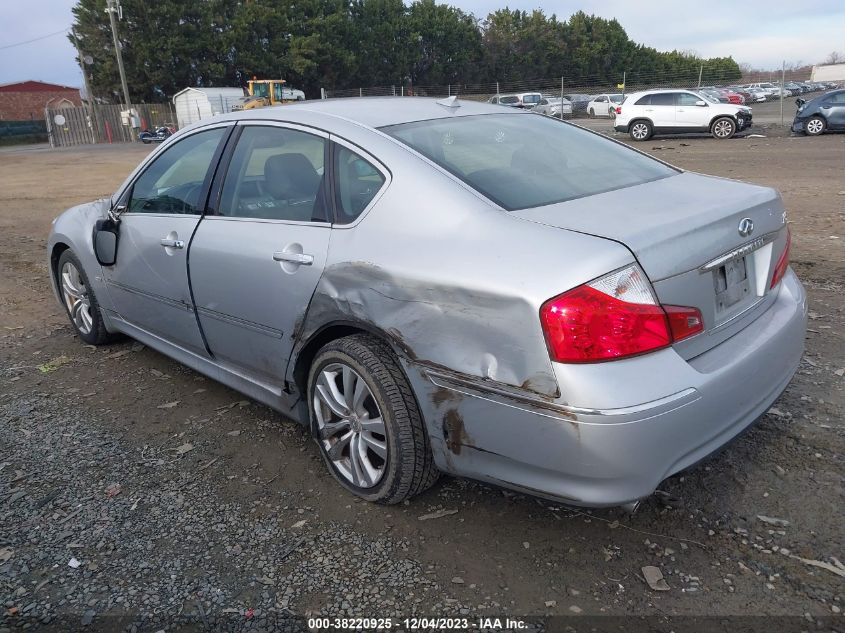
746	227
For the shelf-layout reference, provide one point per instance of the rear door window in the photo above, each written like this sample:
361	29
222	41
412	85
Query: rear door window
276	174
663	99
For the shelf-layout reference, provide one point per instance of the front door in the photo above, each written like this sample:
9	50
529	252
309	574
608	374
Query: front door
148	283
689	115
256	260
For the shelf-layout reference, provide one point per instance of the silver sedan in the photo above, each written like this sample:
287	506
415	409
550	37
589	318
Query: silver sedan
446	286
553	106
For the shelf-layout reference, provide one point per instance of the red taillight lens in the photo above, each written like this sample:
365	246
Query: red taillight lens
585	325
783	261
613	317
684	322
618	109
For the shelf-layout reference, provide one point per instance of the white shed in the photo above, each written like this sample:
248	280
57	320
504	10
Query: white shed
193	104
829	72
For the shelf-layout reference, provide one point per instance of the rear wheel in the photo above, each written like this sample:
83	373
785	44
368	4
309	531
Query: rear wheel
591	113
640	130
366	421
723	128
79	300
815	126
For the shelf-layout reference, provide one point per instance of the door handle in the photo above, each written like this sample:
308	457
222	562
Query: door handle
302	259
171	243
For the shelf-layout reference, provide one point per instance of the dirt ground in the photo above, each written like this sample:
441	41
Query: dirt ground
499	553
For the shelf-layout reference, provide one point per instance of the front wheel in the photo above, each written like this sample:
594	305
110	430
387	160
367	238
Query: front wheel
723	128
640	130
814	126
366	421
79	300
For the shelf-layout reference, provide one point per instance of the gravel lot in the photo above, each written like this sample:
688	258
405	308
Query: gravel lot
137	495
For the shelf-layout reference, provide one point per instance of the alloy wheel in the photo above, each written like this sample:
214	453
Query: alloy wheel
639	131
815	126
350	425
723	129
76	298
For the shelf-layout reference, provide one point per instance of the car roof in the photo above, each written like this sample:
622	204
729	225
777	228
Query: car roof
374	112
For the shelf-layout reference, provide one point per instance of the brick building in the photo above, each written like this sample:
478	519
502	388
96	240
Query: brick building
26	100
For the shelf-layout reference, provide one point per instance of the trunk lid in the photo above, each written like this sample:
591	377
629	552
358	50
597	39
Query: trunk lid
685	232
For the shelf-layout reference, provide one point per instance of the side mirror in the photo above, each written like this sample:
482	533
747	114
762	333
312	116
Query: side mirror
106	234
799	102
701	103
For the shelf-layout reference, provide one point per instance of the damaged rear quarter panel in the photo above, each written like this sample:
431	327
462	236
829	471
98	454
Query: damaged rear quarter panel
454	282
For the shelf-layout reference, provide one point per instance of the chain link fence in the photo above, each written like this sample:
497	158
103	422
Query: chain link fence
580	91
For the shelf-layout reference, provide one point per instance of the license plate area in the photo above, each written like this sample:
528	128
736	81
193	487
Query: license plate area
732	284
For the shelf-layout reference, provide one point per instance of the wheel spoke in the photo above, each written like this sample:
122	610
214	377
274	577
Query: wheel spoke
85	313
336	449
379	447
69	287
330	395
359	396
349	380
330	429
359	474
373	425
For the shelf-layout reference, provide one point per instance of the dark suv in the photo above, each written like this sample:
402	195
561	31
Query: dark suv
820	114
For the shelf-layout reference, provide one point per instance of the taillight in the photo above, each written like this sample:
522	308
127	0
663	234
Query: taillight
613	317
684	322
783	261
618	109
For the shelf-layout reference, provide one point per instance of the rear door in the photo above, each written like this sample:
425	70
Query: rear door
257	256
148	283
833	109
662	110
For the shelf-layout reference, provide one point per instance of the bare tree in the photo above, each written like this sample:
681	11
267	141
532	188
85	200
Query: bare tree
835	58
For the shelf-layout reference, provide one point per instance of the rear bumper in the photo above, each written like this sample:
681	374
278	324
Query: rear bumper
662	414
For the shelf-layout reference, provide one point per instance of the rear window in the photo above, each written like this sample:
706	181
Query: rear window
522	161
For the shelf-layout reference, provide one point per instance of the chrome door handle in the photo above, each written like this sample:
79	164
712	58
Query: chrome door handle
169	243
302	259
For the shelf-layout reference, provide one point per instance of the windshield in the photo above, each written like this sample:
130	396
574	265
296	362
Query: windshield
522	161
259	90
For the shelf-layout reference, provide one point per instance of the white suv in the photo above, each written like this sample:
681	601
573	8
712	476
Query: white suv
650	112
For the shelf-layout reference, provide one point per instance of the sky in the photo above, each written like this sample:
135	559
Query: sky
760	32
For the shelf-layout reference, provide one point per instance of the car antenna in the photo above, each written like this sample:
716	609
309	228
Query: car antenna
449	102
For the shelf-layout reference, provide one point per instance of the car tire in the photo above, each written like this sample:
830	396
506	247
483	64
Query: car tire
79	300
723	128
814	126
591	113
384	463
640	130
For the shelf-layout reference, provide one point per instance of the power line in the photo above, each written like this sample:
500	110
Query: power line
35	39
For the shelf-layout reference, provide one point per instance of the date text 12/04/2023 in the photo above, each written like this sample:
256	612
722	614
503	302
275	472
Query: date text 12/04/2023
415	623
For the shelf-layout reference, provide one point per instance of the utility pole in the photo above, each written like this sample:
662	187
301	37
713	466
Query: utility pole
782	88
700	72
88	93
112	8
